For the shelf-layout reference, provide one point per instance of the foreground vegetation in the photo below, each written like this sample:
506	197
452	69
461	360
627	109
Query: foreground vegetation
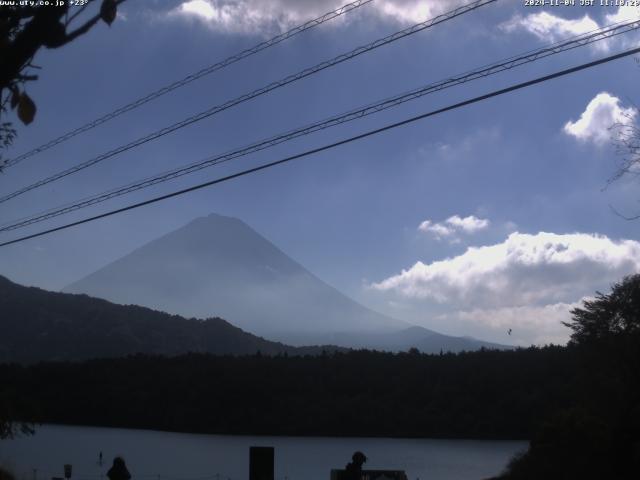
579	404
598	435
488	394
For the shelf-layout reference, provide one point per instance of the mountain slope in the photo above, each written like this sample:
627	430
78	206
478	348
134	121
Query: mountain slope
37	325
220	266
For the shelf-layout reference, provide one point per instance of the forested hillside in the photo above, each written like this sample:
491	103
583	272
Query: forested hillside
37	325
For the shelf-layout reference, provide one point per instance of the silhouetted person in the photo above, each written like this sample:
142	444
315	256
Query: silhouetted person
353	470
100	458
118	470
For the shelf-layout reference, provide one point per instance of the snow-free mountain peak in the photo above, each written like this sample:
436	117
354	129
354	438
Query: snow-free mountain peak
219	266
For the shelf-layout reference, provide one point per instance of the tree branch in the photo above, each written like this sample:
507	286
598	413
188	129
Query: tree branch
81	30
84	28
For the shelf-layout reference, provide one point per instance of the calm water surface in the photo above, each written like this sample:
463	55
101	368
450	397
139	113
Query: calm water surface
154	455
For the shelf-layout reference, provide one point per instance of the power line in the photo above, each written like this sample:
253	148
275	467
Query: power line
361	136
190	78
243	98
491	69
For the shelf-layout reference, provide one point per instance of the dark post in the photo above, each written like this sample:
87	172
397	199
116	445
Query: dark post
261	463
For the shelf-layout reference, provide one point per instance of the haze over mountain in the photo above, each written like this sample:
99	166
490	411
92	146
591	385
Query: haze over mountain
219	266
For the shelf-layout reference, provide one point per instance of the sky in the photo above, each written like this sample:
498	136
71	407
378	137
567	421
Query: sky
493	217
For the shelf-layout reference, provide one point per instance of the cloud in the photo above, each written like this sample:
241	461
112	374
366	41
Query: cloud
524	270
625	13
244	17
549	27
453	225
528	283
201	9
438	229
468	224
413	11
272	16
552	28
594	124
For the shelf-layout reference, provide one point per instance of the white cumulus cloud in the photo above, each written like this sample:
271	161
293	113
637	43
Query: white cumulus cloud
438	229
625	13
523	270
199	8
470	224
529	283
273	16
602	112
453	225
245	17
551	28
413	11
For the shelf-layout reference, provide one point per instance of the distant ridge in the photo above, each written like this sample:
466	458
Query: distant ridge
38	325
425	340
219	266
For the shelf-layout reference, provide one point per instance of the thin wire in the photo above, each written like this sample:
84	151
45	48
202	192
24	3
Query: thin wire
190	78
307	153
497	67
243	98
599	31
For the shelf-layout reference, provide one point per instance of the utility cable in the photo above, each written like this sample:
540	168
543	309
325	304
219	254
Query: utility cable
497	67
190	78
261	91
330	146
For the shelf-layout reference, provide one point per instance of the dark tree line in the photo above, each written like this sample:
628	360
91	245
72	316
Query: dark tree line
579	405
486	394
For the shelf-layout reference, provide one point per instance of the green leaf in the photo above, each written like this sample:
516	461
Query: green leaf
26	109
108	11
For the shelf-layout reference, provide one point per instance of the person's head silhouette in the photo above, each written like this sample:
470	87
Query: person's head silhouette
359	458
353	470
118	470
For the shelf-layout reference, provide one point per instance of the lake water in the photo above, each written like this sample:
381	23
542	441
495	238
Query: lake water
152	455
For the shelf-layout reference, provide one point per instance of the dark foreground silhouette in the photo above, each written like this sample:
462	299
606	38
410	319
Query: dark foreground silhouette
598	435
118	470
353	470
579	404
486	394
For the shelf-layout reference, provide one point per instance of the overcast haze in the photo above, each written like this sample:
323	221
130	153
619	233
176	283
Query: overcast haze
483	219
